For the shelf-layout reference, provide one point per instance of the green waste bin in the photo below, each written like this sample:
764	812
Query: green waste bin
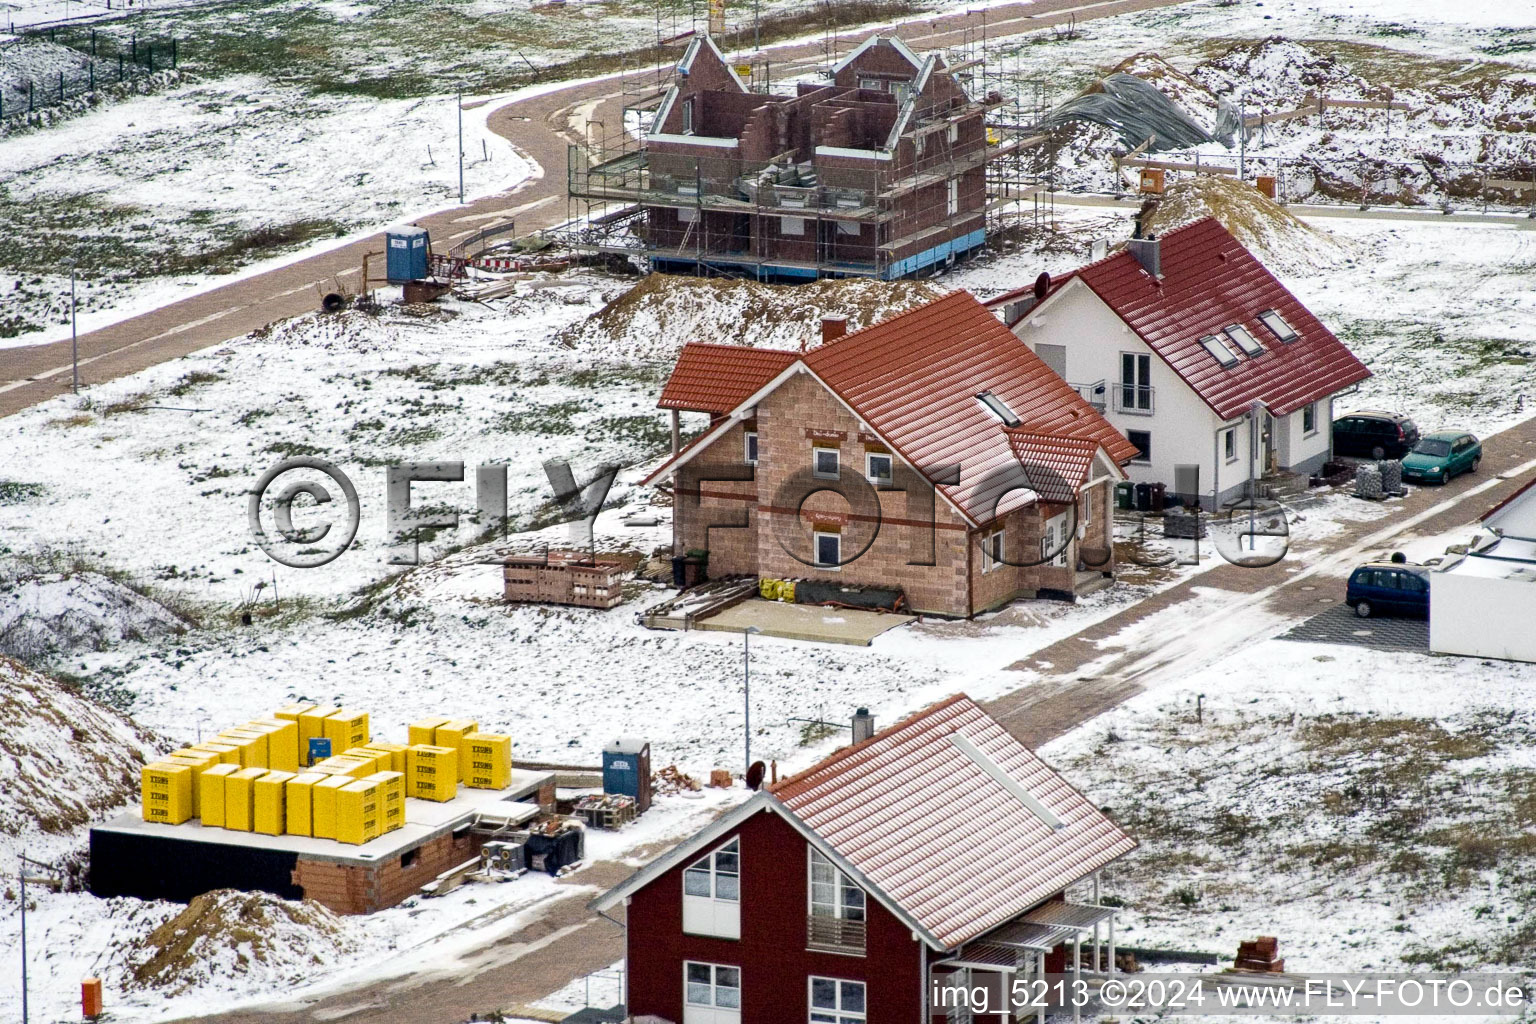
1125	495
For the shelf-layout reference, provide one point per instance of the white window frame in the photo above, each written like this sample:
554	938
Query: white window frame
837	462
848	227
1084	506
713	914
1243	338
713	1011
952	196
835	1015
1306	410
816	539
993	544
687	215
1049	540
842	885
1141	458
1136	377
1229	444
869	467
688	116
749	449
1217	346
791	225
1272	319
954	132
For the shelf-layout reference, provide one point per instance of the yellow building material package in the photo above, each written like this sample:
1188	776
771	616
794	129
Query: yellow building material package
291	712
432	772
252	746
269	803
424	731
166	792
359	812
282	743
312	726
490	760
451	734
300	796
346	728
324	806
238	812
210	785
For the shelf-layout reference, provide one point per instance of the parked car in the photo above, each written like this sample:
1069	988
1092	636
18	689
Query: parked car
1441	455
1389	588
1372	434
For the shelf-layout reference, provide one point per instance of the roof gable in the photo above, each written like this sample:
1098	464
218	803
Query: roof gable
914	379
1056	466
717	378
1211	281
954	820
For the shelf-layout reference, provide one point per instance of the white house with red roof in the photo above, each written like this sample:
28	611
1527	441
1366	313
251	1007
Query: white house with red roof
931	453
941	845
1198	354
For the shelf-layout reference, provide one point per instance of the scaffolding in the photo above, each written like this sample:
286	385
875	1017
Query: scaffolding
792	216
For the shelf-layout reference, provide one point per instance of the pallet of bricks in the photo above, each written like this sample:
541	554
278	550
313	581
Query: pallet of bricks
1262	954
255	778
606	810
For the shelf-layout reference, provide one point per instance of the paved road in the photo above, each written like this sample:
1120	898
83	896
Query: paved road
539	127
1172	634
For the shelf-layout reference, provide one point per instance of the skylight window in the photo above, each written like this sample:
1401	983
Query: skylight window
997	407
1277	325
1218	348
1244	340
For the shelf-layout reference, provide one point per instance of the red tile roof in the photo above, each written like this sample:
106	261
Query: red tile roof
914	379
1210	281
938	833
1056	466
717	378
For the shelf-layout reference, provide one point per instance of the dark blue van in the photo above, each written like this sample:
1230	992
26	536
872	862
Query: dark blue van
1389	588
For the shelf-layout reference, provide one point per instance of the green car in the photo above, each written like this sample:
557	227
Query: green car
1439	456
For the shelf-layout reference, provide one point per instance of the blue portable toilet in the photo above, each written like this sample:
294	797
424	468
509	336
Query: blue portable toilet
627	770
406	254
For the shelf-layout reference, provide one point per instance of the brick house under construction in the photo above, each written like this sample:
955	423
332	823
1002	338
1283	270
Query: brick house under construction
932	452
877	171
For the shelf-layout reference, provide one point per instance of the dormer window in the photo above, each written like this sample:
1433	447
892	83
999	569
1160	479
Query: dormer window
1245	341
712	893
1277	325
997	407
1219	348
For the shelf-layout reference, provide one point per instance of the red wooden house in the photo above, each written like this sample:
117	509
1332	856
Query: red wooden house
941	844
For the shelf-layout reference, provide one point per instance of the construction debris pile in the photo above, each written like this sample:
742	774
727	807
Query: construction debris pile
672	779
1261	954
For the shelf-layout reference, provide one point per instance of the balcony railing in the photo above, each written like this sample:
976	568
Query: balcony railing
1095	394
1135	399
834	934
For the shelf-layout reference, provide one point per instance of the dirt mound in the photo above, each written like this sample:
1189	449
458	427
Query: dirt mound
1268	229
655	318
224	934
1277	70
65	759
48	615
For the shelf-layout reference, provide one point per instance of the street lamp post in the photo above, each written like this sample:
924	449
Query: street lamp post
74	334
746	675
461	145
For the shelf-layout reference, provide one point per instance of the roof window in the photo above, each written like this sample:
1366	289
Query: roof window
1277	325
1245	341
1218	348
997	407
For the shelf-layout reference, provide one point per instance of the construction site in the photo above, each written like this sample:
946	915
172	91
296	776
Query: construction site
879	163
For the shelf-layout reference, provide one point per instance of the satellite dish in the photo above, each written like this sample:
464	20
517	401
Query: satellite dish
755	775
1042	285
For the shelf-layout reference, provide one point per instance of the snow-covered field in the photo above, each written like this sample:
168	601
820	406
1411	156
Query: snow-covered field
1267	816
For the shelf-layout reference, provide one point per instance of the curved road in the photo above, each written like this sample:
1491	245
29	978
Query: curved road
537	126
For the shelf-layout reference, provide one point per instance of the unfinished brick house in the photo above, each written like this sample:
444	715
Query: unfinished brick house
932	452
876	171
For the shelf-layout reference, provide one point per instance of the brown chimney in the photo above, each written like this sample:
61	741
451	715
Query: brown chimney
833	327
